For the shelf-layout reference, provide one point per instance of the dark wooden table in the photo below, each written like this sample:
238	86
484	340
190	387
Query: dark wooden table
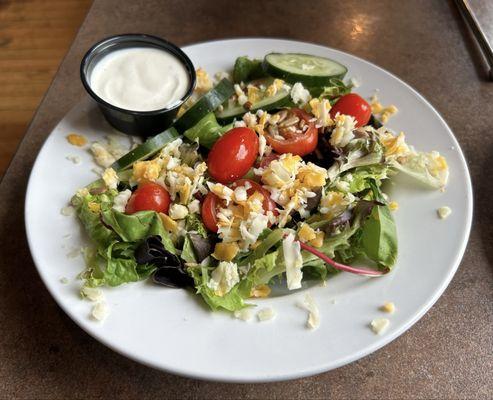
448	353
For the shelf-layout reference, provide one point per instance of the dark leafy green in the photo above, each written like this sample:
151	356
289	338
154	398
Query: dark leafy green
246	70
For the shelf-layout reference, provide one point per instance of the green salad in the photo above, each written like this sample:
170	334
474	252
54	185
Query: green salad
272	174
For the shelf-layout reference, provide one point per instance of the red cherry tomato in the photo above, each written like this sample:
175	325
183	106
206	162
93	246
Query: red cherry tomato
209	211
212	203
149	196
233	155
268	203
299	142
354	105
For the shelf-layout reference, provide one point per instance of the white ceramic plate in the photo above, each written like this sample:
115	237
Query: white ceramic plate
172	330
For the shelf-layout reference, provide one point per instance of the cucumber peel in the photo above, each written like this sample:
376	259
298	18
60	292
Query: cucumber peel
209	102
281	99
311	71
146	150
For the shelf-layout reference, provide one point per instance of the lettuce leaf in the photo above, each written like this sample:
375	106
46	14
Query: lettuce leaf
136	227
245	69
428	168
262	271
115	265
91	220
361	177
194	224
231	301
206	131
379	234
187	252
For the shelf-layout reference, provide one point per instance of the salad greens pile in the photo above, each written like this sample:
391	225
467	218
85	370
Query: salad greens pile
309	204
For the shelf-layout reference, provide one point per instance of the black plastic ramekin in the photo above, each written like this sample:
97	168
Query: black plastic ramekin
142	123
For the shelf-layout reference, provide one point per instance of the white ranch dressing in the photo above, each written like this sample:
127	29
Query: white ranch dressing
140	79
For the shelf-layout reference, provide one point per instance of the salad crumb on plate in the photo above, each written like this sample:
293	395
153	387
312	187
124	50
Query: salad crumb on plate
309	304
274	178
100	311
388	307
444	212
266	314
379	325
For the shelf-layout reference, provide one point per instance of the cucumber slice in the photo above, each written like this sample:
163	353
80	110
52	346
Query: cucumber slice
310	70
147	149
206	104
281	99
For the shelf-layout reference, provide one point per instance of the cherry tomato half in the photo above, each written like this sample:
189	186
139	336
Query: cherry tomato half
209	211
268	204
149	196
298	141
233	155
212	203
354	105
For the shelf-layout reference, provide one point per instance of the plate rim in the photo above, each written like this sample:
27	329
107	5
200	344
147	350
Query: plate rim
321	368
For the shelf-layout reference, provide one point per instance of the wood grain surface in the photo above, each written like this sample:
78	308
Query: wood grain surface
447	354
34	36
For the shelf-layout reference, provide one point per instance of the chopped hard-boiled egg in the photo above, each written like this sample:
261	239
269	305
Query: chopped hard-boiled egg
291	182
224	278
266	314
388	307
309	304
146	170
383	112
293	260
169	224
273	88
100	311
92	294
260	291
101	155
444	212
94	207
223	192
178	211
334	204
245	314
318	241
110	178
225	251
253	94
121	199
299	94
379	325
76	140
306	233
394	206
343	131
395	146
321	110
204	82
194	207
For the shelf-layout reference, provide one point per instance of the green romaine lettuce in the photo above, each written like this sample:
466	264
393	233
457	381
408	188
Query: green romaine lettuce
91	220
245	70
187	252
231	301
136	227
207	131
428	168
114	266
